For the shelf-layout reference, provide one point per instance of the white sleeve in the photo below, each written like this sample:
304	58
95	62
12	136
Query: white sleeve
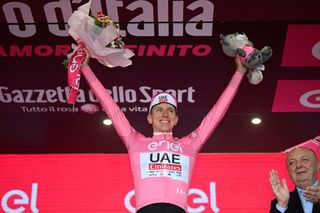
281	209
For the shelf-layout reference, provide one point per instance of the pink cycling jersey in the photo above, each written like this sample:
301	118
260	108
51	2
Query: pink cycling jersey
162	165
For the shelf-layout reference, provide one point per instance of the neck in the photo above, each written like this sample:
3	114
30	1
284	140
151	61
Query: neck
302	186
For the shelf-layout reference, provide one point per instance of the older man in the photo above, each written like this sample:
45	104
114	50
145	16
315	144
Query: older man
302	165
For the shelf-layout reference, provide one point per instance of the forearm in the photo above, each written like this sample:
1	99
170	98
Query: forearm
112	110
217	112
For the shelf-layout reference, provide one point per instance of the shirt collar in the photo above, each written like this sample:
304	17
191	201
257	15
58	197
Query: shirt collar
164	135
301	190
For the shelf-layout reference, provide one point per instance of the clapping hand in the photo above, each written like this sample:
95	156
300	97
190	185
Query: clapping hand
312	193
280	189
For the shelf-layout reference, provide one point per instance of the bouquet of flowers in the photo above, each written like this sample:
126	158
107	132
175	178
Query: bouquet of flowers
101	37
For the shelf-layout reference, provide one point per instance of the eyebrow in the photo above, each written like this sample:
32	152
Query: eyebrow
162	107
303	156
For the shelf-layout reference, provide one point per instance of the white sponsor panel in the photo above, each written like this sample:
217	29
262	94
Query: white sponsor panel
165	164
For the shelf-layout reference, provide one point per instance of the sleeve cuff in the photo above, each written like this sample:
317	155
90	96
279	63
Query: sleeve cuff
281	209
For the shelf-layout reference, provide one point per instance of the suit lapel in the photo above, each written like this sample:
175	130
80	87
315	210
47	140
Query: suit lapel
296	202
316	208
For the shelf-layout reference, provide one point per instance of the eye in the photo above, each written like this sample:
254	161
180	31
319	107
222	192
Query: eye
292	163
157	110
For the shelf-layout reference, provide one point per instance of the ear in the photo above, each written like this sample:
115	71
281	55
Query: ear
149	118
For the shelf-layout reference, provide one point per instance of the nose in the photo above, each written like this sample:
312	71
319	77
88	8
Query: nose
165	113
299	164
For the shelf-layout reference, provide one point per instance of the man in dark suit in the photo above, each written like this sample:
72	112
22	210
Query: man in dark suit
302	165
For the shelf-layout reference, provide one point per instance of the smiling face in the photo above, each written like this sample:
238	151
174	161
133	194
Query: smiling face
302	165
163	117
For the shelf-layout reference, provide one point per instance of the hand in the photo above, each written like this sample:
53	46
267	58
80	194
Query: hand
239	66
281	191
312	193
86	60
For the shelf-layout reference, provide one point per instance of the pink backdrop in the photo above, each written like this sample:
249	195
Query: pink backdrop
102	183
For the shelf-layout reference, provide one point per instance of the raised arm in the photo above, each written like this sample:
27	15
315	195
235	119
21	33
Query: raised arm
217	112
280	190
112	110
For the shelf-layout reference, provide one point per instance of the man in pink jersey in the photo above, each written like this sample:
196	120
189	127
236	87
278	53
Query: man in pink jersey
162	165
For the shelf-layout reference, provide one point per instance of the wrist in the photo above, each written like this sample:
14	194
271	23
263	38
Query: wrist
83	65
242	70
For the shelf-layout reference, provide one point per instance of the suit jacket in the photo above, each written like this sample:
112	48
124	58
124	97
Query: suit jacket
294	205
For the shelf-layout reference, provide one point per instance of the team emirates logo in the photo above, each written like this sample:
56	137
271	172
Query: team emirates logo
163	99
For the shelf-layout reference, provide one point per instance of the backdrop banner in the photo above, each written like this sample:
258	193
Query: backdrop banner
72	183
